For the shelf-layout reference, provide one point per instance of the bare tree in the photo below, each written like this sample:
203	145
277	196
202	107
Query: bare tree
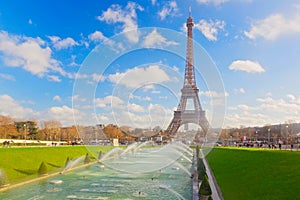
7	128
52	129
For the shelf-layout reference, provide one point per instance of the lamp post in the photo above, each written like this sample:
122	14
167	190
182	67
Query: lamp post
269	135
25	134
287	132
287	135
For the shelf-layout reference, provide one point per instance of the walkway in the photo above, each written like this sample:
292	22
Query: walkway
216	192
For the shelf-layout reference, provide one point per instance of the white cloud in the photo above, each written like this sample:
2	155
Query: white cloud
274	26
216	98
163	97
12	108
7	77
64	114
78	98
244	107
73	63
269	94
247	66
28	53
98	36
214	94
154	39
291	97
216	2
153	2
138	77
56	98
156	115
59	43
146	98
53	78
280	105
103	119
246	119
267	110
210	29
169	9
242	90
155	91
176	69
140	98
98	77
239	91
148	87
132	107
29	21
109	101
128	17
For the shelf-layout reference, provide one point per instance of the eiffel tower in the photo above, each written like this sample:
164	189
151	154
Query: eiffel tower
189	93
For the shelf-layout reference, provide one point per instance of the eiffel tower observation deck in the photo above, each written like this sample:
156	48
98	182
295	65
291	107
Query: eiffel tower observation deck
189	109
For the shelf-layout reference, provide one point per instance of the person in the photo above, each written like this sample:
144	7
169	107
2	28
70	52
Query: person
280	146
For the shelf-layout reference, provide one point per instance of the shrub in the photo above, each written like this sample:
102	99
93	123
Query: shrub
87	159
201	169
205	187
67	162
100	155
42	169
197	151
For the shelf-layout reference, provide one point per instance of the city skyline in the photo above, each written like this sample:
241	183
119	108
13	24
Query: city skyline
253	44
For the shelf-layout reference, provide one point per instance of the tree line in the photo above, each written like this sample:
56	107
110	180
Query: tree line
11	128
285	132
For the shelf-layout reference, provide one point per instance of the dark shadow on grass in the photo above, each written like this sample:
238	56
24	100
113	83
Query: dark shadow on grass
26	171
53	165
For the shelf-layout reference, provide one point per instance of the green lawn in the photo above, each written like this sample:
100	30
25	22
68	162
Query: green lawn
20	164
256	174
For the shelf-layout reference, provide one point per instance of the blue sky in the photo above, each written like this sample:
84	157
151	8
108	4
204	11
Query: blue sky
43	45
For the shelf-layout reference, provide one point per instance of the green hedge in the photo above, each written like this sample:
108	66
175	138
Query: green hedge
205	187
201	169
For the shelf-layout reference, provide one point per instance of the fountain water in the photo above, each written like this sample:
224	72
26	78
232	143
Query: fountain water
183	168
129	147
72	163
111	154
188	150
141	145
3	178
143	171
179	196
183	156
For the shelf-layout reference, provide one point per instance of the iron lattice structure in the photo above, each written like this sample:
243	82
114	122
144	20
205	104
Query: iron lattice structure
189	92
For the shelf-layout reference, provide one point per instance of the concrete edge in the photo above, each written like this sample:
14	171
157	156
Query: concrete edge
216	191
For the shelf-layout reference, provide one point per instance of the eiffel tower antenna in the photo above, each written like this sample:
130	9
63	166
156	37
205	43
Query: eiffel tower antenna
189	92
190	11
